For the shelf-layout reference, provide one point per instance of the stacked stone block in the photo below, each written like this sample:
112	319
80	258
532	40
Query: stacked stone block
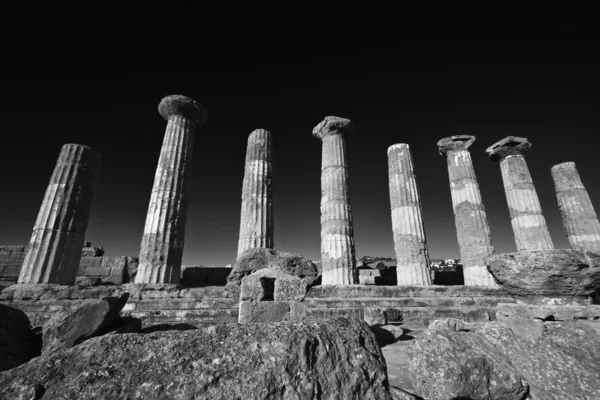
472	228
256	221
59	231
337	233
407	219
164	232
576	208
528	223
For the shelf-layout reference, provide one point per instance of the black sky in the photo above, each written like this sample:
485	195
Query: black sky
411	80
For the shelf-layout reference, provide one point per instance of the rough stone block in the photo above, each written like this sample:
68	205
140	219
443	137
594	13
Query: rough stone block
273	284
375	316
264	311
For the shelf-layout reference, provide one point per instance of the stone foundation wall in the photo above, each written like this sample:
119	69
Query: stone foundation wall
415	306
153	304
412	305
11	260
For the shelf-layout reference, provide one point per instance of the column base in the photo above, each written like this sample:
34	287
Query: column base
478	276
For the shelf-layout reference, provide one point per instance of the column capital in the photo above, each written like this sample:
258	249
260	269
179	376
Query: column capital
509	146
455	143
177	104
333	125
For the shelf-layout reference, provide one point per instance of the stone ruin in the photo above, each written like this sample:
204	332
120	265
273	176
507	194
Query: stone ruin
57	272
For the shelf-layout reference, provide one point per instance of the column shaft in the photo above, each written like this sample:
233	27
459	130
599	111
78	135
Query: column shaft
59	231
407	219
528	223
256	220
164	231
337	234
578	214
472	228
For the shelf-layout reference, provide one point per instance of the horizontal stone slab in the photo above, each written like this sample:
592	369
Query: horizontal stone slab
548	312
180	304
369	291
406	302
196	318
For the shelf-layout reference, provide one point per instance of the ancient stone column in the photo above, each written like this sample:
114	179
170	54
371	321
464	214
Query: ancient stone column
407	219
528	223
256	221
59	231
472	227
337	234
578	215
164	232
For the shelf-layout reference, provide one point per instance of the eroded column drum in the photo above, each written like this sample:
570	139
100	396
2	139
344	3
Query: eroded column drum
164	232
472	228
337	235
410	242
578	214
59	231
256	220
528	222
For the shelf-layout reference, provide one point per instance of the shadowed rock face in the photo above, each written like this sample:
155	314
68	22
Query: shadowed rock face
71	327
18	343
551	276
497	362
334	359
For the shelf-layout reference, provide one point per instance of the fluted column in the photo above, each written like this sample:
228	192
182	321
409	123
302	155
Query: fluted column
256	221
407	219
528	223
337	235
472	228
578	214
164	231
59	231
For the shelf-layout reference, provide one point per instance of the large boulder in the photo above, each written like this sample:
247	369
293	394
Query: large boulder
256	259
549	276
70	327
332	359
499	361
18	342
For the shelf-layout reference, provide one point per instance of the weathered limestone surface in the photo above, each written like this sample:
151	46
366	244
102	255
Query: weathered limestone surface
548	277
59	231
256	259
472	227
18	342
272	295
164	232
256	221
504	361
407	219
578	214
70	327
337	232
548	312
528	223
336	359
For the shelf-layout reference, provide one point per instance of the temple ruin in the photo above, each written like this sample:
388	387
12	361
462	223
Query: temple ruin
529	225
58	272
472	227
164	233
256	220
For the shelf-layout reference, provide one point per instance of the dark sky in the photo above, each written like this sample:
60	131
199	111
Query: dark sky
412	80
